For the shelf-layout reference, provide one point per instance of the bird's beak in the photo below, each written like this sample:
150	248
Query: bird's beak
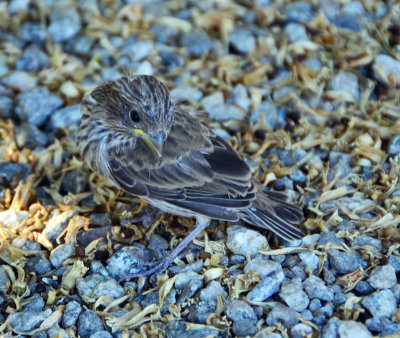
153	142
158	140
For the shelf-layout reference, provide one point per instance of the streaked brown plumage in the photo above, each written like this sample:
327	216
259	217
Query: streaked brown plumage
137	138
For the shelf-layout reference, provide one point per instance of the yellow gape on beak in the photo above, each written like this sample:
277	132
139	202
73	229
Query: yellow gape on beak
148	140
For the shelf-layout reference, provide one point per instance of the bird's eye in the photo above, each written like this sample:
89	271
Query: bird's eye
134	116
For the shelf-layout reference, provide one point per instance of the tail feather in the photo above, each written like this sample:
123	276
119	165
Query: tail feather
271	211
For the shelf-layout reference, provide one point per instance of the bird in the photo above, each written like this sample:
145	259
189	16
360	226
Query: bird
134	135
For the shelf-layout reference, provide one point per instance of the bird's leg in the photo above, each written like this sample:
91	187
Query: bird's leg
161	266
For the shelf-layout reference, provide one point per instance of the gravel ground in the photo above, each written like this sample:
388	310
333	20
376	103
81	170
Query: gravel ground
307	91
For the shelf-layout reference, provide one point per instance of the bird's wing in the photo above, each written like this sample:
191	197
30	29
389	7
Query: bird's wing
197	169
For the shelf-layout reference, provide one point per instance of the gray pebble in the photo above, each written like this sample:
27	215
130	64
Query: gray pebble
244	241
56	331
301	330
364	288
240	97
211	292
339	165
197	266
39	265
243	328
88	236
74	182
330	330
184	278
36	105
386	67
267	286
296	32
9	170
197	43
171	61
347	83
20	81
56	224
381	303
395	262
29	136
344	262
88	323
394	146
351	328
27	320
101	219
200	310
263	266
4	280
309	259
61	253
190	289
383	277
299	12
71	313
138	50
97	267
274	116
33	59
382	325
283	314
187	93
364	240
127	261
238	310
12	218
32	32
330	237
293	295
65	22
6	107
242	41
69	117
315	305
34	303
101	334
316	288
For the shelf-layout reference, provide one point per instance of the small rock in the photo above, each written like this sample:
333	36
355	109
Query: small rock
364	288
33	32
211	292
197	266
339	165
88	236
33	59
95	286
88	323
184	278
315	305
138	50
243	241
364	240
36	105
309	259
242	41
283	314
74	182
296	32
56	224
383	277
144	68
56	331
301	330
347	83
381	304
101	334
10	170
200	310
4	280
65	117
382	325
240	97
237	310
127	261
29	136
61	253
190	289
20	80
299	12
395	262
6	107
264	267
268	286
197	43
293	295
274	116
27	320
331	328
171	61
39	265
158	245
187	93
225	112
243	328
34	303
71	313
351	328
316	288
12	218
65	22
394	145
387	70
344	262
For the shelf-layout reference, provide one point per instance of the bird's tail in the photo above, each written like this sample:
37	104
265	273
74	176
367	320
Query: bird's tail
271	211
